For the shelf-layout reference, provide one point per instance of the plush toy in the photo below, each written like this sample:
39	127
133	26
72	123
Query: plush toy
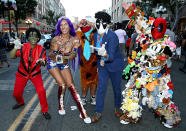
131	108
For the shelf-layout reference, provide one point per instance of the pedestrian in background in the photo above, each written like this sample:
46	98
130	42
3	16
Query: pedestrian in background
128	40
170	33
133	42
183	47
3	56
6	38
121	33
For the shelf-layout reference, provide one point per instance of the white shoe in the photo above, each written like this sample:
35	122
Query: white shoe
166	125
93	100
124	122
144	100
62	112
84	100
87	120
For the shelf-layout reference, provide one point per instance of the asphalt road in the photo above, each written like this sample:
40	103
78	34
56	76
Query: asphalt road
29	117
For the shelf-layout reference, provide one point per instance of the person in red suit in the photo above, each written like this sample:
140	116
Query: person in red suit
32	56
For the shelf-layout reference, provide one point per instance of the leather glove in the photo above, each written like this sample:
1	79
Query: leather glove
17	44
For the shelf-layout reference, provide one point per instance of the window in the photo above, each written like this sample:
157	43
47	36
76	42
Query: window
117	12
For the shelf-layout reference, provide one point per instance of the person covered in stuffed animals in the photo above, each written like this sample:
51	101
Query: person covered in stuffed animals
110	63
32	56
148	72
88	61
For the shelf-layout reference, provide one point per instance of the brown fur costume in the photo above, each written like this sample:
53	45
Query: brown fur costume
88	69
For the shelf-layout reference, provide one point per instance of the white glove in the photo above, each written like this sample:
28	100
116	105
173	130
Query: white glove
17	44
41	60
102	51
169	63
91	48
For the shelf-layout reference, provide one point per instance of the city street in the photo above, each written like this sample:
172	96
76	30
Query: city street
148	31
29	116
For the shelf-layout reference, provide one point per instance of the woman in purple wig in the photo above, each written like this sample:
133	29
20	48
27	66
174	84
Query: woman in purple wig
64	48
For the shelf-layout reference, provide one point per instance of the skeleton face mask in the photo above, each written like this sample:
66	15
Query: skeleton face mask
101	26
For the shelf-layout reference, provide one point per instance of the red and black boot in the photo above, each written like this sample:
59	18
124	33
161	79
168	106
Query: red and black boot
61	95
77	98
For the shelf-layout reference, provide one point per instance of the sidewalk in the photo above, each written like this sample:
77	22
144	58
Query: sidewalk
181	59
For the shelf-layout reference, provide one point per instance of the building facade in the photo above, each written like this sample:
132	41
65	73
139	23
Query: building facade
36	19
118	10
42	9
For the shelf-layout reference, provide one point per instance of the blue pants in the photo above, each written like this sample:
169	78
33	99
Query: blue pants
103	77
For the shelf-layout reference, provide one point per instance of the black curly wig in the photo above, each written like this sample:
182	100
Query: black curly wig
103	16
33	30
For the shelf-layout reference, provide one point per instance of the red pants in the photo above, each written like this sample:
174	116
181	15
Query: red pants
37	81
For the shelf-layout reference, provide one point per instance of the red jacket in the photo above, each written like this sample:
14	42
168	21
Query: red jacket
128	42
28	57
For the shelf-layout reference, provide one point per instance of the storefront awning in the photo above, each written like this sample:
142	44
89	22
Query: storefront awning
6	22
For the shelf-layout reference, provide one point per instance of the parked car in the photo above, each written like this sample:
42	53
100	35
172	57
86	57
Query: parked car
48	41
10	45
42	40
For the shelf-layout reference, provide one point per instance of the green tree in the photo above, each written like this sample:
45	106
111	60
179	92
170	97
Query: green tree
57	17
24	8
173	7
51	18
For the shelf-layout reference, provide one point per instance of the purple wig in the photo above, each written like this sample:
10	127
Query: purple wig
58	30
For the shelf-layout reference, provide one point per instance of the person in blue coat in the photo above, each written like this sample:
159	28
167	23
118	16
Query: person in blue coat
110	63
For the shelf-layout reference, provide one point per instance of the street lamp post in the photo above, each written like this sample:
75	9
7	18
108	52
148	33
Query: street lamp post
8	3
146	6
161	10
29	22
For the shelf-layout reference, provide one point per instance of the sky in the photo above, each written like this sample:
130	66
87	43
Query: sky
82	8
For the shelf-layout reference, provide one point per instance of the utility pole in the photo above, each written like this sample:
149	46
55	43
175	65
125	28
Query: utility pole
9	4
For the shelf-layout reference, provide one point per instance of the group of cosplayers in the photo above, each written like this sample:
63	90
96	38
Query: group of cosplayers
99	56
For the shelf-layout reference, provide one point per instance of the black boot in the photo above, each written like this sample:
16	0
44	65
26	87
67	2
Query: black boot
47	115
16	106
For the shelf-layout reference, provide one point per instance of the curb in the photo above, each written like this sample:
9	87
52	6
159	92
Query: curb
178	60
